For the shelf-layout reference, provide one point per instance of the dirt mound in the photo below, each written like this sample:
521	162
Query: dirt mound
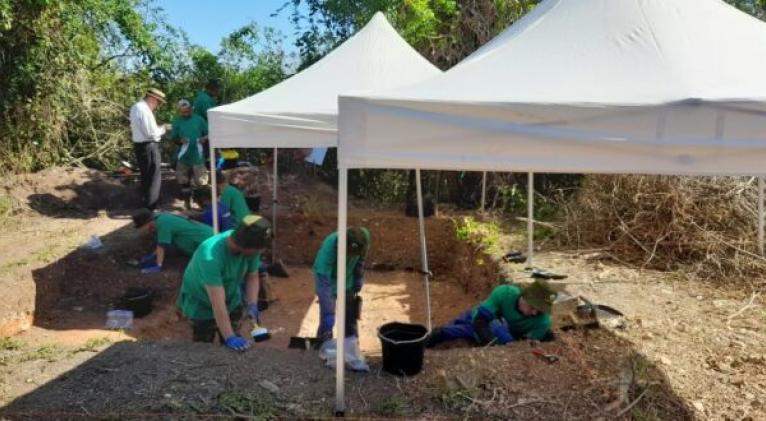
72	191
141	380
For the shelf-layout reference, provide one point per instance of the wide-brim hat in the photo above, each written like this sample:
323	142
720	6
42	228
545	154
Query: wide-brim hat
156	93
254	232
540	295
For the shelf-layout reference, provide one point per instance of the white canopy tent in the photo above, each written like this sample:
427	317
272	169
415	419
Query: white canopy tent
302	111
580	86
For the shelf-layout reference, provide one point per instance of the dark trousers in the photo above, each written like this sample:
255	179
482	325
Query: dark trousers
149	160
206	330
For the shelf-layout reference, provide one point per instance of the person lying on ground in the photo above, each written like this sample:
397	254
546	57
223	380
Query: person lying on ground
233	199
325	274
189	133
210	295
169	230
203	199
509	313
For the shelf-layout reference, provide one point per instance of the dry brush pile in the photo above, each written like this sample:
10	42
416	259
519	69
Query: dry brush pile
706	226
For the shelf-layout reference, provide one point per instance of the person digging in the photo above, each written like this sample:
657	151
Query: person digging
325	274
211	297
170	231
510	313
202	197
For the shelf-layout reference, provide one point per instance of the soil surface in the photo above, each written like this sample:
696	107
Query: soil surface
688	350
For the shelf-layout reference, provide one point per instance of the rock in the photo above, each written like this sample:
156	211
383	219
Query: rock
698	406
271	387
666	361
737	381
700	298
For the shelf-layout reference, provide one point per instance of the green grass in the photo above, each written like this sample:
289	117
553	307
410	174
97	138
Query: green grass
93	344
485	234
50	353
392	406
10	344
245	405
6	205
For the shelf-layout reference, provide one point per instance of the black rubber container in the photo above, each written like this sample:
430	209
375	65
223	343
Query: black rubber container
138	300
403	347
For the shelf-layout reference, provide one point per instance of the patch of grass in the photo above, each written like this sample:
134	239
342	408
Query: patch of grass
44	255
6	205
238	404
485	234
392	406
50	353
93	344
10	344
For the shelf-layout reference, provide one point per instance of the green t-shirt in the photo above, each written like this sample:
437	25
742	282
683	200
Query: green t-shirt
326	262
213	264
191	128
235	201
502	303
202	103
181	232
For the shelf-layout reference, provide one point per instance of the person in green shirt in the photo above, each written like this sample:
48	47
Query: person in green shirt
232	198
170	230
190	134
358	241
509	313
207	98
211	296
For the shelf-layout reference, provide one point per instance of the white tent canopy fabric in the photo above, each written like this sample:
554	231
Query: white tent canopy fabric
302	111
584	86
598	86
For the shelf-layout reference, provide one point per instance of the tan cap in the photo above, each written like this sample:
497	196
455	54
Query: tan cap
156	93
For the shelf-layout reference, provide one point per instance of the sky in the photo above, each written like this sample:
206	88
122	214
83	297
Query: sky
206	22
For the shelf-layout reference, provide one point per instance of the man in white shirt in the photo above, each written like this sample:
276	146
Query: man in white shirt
146	143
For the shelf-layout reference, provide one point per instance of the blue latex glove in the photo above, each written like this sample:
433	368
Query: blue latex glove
148	260
500	332
151	269
252	311
237	343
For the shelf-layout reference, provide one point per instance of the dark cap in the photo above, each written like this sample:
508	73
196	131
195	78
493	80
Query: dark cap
142	217
253	232
357	241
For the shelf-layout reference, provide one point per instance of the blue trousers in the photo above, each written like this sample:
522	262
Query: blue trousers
460	328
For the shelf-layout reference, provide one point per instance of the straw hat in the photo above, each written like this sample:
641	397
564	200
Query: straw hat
156	93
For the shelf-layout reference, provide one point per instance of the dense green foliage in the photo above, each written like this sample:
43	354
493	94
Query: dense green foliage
70	69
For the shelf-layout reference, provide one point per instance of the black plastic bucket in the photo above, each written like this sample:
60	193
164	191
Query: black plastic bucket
403	347
138	300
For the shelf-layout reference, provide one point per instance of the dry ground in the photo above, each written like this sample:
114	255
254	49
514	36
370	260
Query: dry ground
690	350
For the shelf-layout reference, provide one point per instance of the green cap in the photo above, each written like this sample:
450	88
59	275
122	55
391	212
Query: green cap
142	217
253	232
357	241
540	295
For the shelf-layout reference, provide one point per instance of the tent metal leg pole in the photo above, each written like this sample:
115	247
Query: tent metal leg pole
213	189
340	302
423	246
760	215
530	218
483	190
274	211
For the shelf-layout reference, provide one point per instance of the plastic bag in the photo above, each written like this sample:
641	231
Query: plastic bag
352	356
119	319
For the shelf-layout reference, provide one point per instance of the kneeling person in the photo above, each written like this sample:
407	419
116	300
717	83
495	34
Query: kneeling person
179	232
509	313
210	294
